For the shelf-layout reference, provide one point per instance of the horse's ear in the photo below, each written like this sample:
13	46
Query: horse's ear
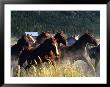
87	33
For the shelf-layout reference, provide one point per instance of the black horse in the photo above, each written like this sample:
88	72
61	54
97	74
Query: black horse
95	54
17	48
40	52
78	51
60	39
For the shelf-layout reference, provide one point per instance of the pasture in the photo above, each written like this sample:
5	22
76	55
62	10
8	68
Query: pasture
66	69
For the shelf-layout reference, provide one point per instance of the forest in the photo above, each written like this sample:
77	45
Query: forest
71	22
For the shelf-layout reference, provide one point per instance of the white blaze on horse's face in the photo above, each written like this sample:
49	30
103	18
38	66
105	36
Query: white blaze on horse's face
32	39
56	49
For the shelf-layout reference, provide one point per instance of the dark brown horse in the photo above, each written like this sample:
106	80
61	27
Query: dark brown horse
40	52
17	48
60	40
78	51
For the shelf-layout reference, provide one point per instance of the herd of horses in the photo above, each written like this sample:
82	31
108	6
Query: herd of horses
54	47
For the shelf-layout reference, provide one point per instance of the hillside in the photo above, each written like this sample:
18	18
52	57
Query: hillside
71	22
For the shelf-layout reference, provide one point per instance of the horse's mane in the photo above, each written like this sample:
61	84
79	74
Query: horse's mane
44	45
80	42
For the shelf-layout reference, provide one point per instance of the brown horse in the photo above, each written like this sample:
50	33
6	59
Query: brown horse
40	52
60	40
78	51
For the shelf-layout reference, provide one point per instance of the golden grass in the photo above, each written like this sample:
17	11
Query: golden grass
47	70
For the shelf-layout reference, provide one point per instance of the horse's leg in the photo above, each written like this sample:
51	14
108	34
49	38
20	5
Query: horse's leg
38	61
85	59
20	66
96	62
59	57
51	57
21	62
51	60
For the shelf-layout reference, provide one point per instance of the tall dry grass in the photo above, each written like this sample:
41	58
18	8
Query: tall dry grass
65	69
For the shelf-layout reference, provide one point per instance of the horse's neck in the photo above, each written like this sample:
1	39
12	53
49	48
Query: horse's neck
81	43
43	46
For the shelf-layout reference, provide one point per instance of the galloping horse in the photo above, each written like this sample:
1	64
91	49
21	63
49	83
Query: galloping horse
17	48
77	51
60	39
39	52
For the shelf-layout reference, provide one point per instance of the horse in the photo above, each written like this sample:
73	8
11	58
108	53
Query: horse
94	53
40	52
31	39
60	40
18	47
42	37
78	51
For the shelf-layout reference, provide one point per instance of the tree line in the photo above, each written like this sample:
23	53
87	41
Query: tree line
71	22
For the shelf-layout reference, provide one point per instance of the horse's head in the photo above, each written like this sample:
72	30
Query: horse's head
42	35
60	38
90	39
53	45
